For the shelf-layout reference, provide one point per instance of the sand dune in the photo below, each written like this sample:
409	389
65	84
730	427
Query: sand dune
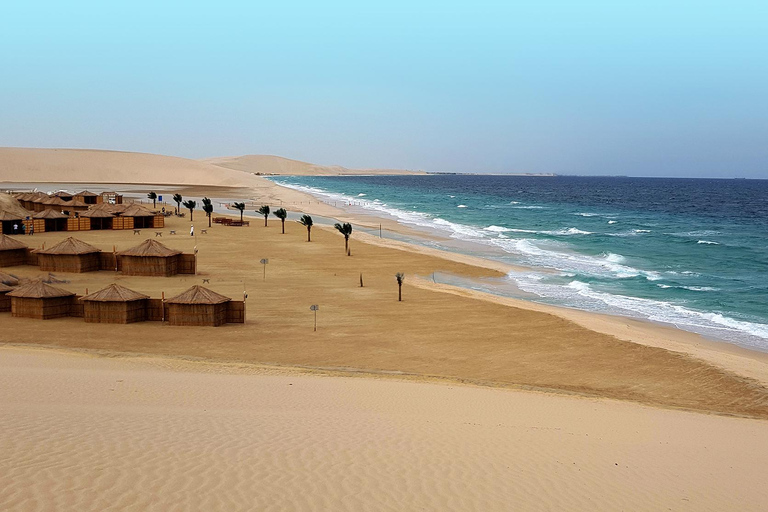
85	433
269	164
94	166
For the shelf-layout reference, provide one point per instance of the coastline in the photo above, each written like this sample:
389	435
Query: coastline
741	360
589	337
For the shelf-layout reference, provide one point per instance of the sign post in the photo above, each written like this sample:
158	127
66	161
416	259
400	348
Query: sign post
264	262
314	307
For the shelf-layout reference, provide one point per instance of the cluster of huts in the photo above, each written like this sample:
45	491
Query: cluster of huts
117	304
83	211
149	258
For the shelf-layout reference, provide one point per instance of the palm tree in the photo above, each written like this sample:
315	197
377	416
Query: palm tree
400	278
264	210
153	197
191	205
346	230
306	220
208	209
241	207
281	214
178	199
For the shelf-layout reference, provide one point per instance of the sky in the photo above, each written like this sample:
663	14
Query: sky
651	88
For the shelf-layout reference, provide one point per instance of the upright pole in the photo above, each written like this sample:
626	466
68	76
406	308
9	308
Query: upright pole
315	320
379	230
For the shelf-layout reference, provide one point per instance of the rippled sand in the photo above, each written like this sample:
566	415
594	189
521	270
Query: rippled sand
87	433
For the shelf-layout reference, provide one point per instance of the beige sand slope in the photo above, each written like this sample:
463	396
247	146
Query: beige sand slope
86	433
269	164
28	165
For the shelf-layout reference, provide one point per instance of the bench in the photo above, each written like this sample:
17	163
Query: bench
158	234
204	231
173	231
136	231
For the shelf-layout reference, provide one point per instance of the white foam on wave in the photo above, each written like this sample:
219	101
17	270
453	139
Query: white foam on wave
529	207
461	206
612	221
582	295
497	229
566	232
707	242
691	288
361	195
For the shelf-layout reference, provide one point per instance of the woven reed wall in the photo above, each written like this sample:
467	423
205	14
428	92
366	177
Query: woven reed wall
42	309
13	258
69	262
187	264
236	312
5	303
73	224
155	309
107	261
158	222
118	223
85	224
31	257
212	315
115	312
76	307
39	225
148	266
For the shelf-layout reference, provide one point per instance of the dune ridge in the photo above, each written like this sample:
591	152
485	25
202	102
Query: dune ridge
270	164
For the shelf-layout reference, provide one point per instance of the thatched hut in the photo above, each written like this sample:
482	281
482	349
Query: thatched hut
5	301
115	304
40	300
100	218
150	258
11	214
49	220
198	306
87	197
138	217
70	255
12	252
53	203
74	206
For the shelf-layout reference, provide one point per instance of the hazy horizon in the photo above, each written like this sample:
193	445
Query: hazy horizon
589	88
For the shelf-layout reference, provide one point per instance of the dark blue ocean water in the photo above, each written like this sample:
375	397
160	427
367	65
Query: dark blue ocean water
690	252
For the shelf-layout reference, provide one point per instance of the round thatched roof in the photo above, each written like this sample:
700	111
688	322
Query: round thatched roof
97	213
150	248
114	293
136	210
4	288
69	246
38	290
10	244
8	279
54	201
87	193
198	295
10	209
49	214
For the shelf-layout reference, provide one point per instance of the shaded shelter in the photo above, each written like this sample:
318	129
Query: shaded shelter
149	258
100	218
115	304
12	252
50	220
198	306
40	300
70	255
142	217
87	197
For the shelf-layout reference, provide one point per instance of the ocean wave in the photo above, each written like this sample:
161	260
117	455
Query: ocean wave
641	230
587	214
529	207
497	229
566	232
612	221
583	295
461	206
694	234
361	195
691	288
707	242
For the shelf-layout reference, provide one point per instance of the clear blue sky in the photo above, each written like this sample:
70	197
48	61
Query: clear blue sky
647	88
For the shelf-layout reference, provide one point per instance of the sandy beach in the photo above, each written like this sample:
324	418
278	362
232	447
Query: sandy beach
450	400
92	433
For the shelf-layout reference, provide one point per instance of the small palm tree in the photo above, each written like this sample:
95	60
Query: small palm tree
306	220
281	214
264	210
400	278
208	209
153	197
191	205
346	230
177	198
241	207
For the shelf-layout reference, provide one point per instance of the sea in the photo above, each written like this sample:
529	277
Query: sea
692	253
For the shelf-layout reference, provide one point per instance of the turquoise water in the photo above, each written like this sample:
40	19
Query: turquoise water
693	253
